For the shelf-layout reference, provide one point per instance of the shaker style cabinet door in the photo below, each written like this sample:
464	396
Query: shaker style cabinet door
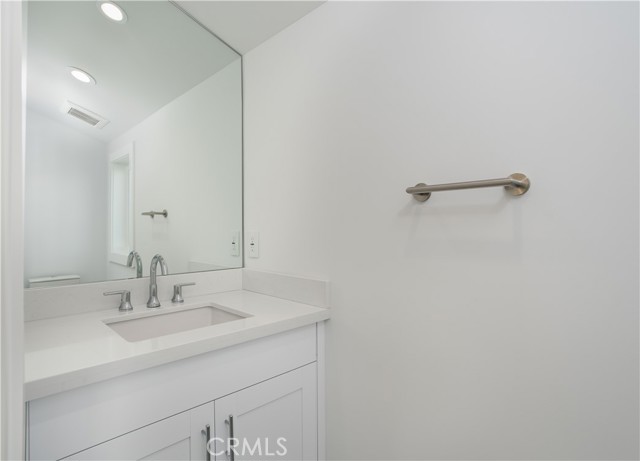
182	437
202	430
272	420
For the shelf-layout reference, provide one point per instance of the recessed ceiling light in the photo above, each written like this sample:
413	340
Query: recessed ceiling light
112	11
82	76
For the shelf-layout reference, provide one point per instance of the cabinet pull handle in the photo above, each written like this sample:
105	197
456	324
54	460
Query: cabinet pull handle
207	432
230	450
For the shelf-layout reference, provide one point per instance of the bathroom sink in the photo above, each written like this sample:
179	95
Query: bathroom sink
166	323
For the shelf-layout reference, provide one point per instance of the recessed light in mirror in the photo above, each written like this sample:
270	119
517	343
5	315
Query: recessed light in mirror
112	11
82	76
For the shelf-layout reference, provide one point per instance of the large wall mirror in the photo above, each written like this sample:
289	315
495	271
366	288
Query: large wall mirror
127	115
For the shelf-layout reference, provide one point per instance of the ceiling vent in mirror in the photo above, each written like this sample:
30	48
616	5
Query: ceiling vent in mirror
85	115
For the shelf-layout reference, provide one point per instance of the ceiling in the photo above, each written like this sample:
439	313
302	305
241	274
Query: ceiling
243	25
139	66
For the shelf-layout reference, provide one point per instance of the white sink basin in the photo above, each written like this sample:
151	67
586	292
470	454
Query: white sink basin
166	323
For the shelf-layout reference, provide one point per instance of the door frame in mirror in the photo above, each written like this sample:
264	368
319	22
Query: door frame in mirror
121	202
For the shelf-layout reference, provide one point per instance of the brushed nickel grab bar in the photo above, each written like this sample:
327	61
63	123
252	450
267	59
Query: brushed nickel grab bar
515	184
153	213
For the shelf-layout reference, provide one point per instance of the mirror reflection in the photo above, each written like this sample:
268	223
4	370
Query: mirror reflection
133	143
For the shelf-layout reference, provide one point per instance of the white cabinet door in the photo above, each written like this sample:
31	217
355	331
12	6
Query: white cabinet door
166	439
202	430
181	437
275	419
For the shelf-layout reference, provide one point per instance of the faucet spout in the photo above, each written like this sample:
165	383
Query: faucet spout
153	285
134	255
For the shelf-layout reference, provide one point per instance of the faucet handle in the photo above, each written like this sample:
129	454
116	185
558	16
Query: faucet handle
177	292
125	299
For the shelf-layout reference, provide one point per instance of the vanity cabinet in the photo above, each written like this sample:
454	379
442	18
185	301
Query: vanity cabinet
262	393
274	419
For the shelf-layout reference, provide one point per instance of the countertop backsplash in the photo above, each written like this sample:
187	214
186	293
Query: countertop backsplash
43	303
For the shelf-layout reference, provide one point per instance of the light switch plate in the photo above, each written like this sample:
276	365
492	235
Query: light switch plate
235	244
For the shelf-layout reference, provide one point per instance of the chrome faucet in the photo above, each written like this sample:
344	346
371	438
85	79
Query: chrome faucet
153	286
132	255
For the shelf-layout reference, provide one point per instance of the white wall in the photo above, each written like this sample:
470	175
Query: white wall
65	201
188	160
475	325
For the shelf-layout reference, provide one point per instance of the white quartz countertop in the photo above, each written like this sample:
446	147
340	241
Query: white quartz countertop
64	353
